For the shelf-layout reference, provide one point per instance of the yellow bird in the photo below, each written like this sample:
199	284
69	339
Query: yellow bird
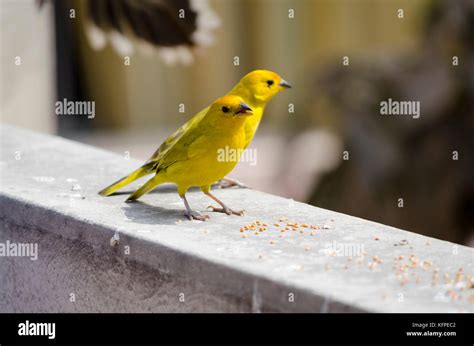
256	89
194	158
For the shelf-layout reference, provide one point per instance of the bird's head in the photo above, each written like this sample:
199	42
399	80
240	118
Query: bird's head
262	85
230	107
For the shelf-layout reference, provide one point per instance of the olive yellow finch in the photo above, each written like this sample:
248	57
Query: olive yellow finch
192	160
254	90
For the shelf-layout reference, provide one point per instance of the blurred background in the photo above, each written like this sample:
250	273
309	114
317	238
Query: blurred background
323	142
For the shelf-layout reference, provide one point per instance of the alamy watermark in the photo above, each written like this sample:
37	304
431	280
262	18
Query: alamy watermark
11	249
345	249
228	154
391	107
66	107
28	328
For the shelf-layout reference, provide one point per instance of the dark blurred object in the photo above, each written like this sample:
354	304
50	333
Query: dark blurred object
178	24
396	156
156	22
68	81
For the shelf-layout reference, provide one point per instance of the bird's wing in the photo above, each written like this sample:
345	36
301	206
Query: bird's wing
175	136
189	146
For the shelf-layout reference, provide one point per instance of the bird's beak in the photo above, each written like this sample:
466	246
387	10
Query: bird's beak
244	109
285	84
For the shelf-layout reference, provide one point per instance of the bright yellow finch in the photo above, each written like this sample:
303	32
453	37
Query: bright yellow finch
193	159
254	91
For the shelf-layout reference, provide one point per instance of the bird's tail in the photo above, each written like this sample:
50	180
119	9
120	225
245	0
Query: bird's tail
137	174
147	187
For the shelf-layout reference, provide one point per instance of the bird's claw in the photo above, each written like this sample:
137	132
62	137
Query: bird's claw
194	215
228	211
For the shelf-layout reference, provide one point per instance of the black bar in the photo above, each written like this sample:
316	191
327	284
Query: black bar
291	329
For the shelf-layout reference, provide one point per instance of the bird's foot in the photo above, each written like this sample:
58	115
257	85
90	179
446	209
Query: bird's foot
194	215
226	210
228	183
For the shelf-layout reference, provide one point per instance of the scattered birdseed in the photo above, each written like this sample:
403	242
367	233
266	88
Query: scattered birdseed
403	278
447	279
372	265
452	294
426	265
459	275
434	278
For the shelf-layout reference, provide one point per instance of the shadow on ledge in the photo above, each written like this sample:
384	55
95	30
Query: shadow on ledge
144	213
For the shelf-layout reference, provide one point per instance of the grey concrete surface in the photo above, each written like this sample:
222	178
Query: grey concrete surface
163	262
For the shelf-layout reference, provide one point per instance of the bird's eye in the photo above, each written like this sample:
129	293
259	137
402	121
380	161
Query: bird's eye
270	82
225	109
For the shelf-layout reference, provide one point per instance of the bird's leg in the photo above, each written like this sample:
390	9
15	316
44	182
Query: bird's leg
191	214
226	183
224	209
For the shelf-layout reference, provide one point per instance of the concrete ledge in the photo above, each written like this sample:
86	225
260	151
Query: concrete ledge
162	262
